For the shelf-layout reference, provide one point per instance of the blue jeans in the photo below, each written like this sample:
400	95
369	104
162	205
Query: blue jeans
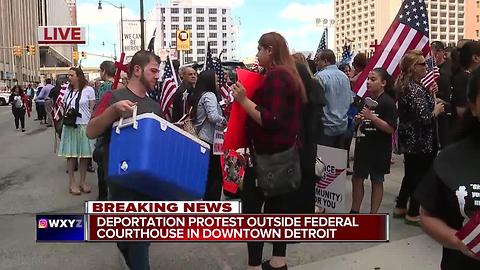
135	253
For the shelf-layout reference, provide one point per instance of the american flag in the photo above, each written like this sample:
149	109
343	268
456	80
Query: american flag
322	45
58	107
409	31
215	64
470	232
169	87
433	72
346	55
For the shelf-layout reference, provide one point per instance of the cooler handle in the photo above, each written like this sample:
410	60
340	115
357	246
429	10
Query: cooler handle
134	121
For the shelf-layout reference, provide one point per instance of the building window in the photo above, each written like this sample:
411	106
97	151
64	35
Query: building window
200	51
224	27
212	27
200	43
213	43
214	51
201	59
163	26
187	19
188	27
200	11
212	19
200	27
162	10
212	35
174	10
224	19
212	11
478	33
478	18
174	43
224	11
200	19
175	27
187	11
175	19
224	35
173	35
224	43
201	35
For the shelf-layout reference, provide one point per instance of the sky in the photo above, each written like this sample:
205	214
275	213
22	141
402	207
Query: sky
295	20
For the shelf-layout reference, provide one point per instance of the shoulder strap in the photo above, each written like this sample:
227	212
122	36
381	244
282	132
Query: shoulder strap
70	101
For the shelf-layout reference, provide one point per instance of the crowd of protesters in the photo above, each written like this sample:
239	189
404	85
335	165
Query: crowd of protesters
300	104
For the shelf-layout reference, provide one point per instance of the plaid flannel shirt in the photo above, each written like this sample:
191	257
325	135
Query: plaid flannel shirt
279	101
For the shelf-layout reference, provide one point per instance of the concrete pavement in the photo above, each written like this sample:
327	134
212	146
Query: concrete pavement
33	180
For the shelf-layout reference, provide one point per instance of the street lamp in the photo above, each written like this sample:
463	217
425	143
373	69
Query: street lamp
121	17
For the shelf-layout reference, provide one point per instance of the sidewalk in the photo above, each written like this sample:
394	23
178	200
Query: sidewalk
418	252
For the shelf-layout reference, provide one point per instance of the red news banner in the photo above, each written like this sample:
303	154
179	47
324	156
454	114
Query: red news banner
188	221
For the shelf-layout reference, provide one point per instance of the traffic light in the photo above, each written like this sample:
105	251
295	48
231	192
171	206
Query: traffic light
84	55
17	51
75	55
31	49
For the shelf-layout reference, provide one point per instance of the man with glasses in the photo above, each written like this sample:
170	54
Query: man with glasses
189	79
444	92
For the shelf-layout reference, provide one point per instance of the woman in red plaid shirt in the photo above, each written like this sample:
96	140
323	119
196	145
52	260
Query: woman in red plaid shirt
272	126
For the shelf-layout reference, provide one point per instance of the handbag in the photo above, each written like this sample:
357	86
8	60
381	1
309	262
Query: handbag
278	173
186	124
71	114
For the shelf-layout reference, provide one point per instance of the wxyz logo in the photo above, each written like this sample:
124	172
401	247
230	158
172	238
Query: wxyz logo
60	223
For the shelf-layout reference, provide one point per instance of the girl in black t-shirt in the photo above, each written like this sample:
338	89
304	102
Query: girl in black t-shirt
449	193
373	148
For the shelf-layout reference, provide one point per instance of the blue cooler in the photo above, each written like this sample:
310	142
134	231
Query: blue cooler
152	156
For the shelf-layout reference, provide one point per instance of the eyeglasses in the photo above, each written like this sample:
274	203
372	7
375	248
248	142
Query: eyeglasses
421	64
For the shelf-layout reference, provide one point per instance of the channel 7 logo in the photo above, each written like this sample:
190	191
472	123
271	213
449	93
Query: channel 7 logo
44	223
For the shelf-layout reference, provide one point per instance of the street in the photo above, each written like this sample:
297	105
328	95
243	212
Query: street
33	180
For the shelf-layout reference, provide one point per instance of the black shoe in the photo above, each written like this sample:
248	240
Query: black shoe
266	266
23	130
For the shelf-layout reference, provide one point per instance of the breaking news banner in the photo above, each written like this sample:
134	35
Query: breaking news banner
177	221
159	207
60	228
236	227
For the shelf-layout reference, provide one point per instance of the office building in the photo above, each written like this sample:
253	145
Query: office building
362	22
206	23
18	23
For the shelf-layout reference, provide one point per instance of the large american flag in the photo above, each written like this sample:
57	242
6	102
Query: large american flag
215	64
409	31
322	45
169	87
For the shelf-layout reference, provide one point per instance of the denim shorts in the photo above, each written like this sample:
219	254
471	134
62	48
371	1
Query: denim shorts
374	177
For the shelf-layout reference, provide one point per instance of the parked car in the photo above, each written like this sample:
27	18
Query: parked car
4	96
